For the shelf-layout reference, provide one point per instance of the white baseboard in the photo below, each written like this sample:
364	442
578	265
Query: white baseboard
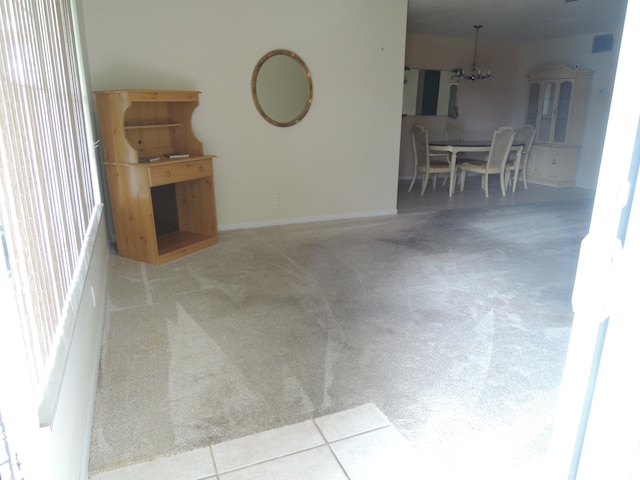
292	221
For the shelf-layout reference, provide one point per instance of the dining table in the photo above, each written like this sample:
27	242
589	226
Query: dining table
454	147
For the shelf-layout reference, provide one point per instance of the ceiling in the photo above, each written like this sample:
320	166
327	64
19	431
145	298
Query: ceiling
515	20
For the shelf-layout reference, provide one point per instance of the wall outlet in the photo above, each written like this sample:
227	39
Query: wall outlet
277	199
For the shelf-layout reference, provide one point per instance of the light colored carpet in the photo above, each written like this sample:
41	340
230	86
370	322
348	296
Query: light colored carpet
454	324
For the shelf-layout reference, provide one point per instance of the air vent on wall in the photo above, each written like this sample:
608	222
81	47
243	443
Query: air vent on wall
602	43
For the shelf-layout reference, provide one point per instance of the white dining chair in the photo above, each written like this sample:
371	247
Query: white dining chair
495	163
525	136
426	162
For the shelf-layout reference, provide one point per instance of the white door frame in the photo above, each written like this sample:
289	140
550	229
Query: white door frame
598	385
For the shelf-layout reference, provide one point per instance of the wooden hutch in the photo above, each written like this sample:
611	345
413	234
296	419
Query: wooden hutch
160	182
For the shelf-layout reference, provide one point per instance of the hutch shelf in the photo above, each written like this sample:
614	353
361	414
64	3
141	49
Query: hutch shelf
556	106
160	182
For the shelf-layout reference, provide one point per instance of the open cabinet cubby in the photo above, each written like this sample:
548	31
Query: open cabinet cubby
163	208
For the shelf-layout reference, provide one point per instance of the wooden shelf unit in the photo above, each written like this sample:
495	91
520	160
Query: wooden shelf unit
162	210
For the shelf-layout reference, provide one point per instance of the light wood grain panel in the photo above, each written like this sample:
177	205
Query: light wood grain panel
196	206
174	173
133	214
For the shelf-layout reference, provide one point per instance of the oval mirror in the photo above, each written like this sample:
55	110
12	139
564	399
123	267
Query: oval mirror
281	88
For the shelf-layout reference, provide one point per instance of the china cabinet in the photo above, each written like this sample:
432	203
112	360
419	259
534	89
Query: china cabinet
556	106
160	182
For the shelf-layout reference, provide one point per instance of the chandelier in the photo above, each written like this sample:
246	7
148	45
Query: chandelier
475	73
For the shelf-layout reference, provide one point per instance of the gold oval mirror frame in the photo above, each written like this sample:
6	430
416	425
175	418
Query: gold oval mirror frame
281	88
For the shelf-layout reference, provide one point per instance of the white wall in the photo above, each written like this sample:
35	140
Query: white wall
69	432
483	106
576	51
340	161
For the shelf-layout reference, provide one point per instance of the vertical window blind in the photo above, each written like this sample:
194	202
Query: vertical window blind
48	187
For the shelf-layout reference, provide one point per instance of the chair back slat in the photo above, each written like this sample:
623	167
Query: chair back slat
500	147
525	135
420	139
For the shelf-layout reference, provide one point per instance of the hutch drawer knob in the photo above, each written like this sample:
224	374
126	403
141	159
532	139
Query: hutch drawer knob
554	161
167	173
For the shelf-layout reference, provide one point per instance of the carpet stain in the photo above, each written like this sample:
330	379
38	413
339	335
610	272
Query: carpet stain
455	324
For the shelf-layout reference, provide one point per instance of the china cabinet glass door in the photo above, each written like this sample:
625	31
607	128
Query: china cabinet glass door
546	114
532	106
562	113
548	109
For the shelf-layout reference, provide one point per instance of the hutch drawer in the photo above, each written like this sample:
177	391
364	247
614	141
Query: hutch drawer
181	172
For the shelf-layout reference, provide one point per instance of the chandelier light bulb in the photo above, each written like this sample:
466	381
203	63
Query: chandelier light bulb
475	73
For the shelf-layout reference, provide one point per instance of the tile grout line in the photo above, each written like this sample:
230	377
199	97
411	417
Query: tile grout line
330	444
333	453
262	462
326	443
215	465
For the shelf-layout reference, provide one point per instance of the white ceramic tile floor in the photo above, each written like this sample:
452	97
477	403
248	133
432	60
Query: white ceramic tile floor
355	444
